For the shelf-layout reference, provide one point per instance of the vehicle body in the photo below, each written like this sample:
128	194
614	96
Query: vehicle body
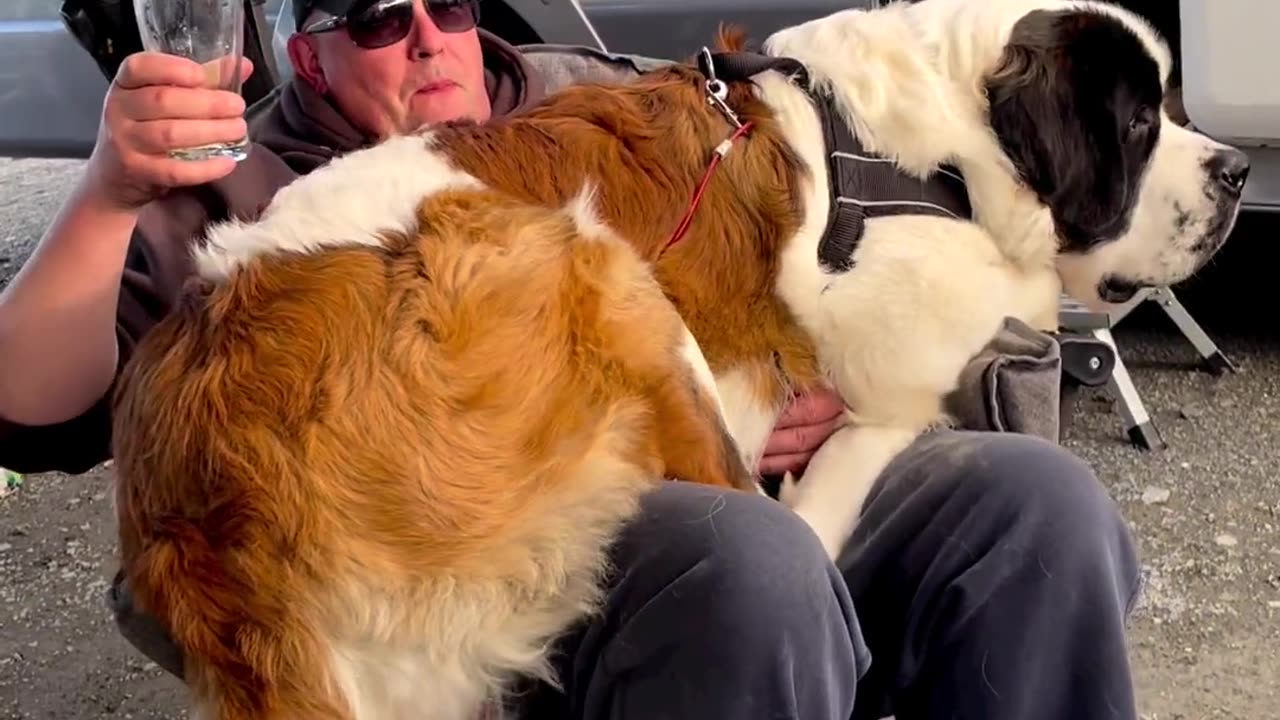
51	90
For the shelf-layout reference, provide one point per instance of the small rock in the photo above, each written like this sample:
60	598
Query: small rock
1273	604
5	547
1190	412
1155	496
1226	540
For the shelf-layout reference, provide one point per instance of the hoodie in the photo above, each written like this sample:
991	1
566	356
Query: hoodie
293	131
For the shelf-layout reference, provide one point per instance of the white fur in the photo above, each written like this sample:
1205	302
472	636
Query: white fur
442	649
692	353
926	294
749	422
350	201
582	211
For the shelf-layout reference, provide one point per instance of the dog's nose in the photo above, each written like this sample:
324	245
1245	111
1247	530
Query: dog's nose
1232	169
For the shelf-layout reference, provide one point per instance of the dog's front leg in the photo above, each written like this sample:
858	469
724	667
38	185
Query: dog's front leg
752	398
1020	224
840	476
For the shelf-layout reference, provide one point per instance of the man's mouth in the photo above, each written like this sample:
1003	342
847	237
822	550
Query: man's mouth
1115	289
436	86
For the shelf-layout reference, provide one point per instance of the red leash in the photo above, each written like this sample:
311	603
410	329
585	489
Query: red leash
721	150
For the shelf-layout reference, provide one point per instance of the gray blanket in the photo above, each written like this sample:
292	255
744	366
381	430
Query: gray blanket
1011	386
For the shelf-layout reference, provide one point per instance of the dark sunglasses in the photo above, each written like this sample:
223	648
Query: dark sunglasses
379	23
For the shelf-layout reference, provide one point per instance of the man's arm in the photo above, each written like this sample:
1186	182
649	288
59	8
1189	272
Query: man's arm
59	317
58	346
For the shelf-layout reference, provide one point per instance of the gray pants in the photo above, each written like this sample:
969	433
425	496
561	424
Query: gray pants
991	577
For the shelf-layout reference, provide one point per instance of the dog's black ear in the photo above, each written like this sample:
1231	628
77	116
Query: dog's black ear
1052	106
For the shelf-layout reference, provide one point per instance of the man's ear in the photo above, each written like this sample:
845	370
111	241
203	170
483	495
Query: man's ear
306	62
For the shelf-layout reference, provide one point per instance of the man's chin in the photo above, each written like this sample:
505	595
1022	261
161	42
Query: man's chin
440	107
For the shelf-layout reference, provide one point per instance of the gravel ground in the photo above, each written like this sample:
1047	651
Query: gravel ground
1206	512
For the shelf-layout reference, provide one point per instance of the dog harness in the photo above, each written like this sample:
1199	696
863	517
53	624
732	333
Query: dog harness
862	184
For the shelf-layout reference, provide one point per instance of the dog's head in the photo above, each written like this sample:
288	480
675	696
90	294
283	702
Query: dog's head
1076	103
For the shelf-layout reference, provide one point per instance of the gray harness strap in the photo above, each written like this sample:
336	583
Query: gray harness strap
864	185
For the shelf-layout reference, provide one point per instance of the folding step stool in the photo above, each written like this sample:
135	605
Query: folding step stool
1076	318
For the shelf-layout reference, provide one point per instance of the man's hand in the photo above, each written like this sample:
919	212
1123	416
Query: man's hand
804	425
155	104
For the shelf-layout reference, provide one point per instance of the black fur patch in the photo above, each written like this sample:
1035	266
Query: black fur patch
1116	289
1075	104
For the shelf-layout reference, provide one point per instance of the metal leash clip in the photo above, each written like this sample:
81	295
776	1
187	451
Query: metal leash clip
717	90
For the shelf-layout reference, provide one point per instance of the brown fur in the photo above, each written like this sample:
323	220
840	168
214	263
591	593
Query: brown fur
462	374
419	414
646	145
731	37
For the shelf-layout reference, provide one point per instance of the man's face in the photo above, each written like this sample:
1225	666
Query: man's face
428	77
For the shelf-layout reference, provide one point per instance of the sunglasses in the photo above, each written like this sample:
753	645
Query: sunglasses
379	23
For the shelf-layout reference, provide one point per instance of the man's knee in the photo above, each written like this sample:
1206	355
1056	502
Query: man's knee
740	571
1047	499
748	556
1042	480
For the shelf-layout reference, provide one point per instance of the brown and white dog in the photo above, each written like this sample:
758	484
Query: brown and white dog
371	467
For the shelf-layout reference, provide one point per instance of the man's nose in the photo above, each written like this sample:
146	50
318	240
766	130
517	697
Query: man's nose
428	40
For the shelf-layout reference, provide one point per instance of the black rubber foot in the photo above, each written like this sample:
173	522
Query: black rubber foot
1146	436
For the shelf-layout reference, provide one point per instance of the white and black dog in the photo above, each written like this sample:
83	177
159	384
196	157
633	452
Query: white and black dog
1079	182
1136	199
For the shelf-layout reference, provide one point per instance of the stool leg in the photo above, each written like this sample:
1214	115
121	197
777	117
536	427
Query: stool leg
1139	425
1216	360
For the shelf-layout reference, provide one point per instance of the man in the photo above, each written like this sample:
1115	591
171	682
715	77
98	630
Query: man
990	577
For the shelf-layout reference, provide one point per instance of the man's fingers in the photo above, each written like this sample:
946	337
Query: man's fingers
779	464
156	137
161	102
170	173
246	69
154	68
812	407
142	178
800	438
787	440
143	69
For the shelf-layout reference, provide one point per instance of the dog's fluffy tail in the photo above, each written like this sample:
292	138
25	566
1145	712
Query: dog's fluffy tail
236	656
177	578
731	37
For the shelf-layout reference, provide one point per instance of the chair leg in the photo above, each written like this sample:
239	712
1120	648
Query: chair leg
1141	428
1215	360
